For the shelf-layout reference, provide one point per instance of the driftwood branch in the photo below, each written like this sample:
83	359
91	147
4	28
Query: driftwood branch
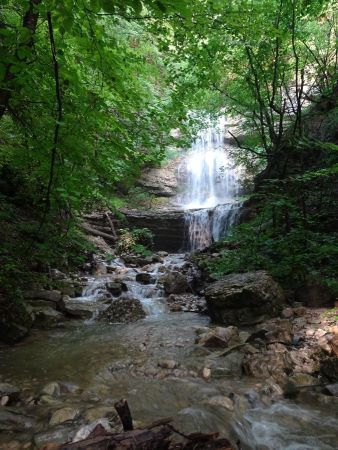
123	411
111	224
95	232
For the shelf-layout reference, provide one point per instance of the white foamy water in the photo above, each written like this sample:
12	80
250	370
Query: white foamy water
212	186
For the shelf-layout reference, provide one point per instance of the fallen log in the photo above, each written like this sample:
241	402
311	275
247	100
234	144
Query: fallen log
96	232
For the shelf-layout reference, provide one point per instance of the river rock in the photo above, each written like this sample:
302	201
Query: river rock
175	283
144	278
168	364
84	431
220	400
79	308
11	392
43	294
244	298
52	389
47	316
219	337
99	412
275	362
114	287
59	435
329	368
12	420
123	310
333	343
63	415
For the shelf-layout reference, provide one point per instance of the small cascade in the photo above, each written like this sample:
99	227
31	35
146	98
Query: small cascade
211	187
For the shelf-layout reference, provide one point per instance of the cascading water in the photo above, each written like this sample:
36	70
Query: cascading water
211	188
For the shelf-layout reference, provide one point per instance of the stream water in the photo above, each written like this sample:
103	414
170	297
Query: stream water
111	361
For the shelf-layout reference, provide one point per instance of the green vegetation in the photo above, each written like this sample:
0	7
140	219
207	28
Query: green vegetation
138	240
90	90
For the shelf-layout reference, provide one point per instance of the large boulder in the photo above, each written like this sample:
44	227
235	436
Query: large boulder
244	298
175	283
123	310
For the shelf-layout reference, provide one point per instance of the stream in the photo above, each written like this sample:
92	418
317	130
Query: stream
106	362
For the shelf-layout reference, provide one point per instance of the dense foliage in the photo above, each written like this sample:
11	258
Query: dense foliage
90	89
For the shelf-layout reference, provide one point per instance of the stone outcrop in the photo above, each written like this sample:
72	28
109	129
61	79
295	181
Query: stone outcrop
244	298
161	181
167	226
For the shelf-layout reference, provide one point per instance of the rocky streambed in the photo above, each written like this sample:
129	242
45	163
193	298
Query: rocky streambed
269	385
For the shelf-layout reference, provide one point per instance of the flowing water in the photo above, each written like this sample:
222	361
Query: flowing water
111	361
211	189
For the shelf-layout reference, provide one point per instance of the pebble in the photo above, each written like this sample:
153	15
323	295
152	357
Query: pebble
168	364
206	373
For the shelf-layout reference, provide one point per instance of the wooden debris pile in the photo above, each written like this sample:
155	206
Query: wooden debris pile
156	436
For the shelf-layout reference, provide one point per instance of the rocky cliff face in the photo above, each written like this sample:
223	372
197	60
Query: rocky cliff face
168	227
161	181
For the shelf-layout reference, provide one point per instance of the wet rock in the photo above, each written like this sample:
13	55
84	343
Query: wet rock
162	254
78	308
52	389
42	294
10	392
63	415
123	310
220	400
48	400
270	363
175	283
70	388
219	337
59	435
99	412
168	364
47	316
278	330
99	269
12	420
84	431
228	366
244	298
114	287
144	278
329	368
67	287
332	389
303	379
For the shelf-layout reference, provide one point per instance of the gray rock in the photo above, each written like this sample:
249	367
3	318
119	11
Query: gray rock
244	298
63	415
79	309
60	435
220	400
114	287
84	431
47	316
175	283
12	420
144	278
52	389
42	294
168	364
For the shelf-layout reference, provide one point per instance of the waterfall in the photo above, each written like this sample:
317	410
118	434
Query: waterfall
210	189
